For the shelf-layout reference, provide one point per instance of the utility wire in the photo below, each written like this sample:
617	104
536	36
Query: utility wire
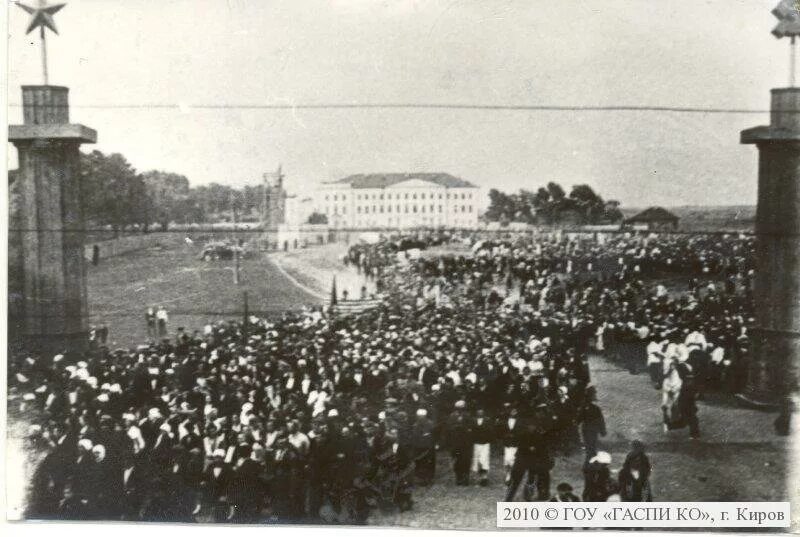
499	231
424	106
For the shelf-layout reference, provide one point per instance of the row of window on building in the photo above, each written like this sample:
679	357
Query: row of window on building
388	209
343	197
401	221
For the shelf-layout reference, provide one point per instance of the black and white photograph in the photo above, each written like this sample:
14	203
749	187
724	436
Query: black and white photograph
402	263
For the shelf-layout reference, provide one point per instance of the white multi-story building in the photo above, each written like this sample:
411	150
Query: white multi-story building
399	200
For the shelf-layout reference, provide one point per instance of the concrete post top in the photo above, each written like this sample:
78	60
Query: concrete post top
785	90
45	105
65	132
784	119
785	109
43	87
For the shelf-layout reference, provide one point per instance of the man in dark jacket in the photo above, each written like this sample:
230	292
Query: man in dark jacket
135	488
459	437
533	458
423	444
507	431
598	485
593	424
634	477
482	436
246	490
217	482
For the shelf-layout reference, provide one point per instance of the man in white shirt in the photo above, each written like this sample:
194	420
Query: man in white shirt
161	319
655	362
696	339
298	439
483	434
508	434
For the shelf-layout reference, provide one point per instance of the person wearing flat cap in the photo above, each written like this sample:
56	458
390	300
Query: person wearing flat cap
459	438
423	444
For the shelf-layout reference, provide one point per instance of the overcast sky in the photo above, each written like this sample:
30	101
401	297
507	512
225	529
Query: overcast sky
694	53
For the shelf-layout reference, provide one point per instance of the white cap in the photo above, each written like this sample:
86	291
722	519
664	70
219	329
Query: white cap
100	450
332	413
602	457
422	412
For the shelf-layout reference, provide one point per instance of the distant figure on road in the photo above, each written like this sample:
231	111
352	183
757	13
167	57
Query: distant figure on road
102	334
150	319
161	319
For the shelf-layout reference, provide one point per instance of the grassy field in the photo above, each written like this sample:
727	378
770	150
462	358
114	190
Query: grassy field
193	291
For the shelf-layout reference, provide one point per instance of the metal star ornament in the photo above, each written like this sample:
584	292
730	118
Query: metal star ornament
42	15
788	15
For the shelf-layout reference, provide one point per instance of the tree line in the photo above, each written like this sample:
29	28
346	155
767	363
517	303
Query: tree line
551	205
118	196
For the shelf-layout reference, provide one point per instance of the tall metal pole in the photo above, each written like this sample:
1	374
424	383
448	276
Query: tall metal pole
44	54
235	243
246	314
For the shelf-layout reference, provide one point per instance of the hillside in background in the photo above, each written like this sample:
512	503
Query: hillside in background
708	217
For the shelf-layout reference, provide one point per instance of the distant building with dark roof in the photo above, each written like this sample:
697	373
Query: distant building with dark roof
399	200
653	219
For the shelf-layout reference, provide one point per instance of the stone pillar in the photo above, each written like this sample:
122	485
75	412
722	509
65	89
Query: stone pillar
51	221
772	375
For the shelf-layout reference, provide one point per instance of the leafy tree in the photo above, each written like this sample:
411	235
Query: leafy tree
588	204
611	212
550	204
167	194
112	190
317	218
501	206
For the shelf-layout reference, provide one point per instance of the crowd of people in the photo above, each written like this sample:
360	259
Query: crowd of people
472	359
